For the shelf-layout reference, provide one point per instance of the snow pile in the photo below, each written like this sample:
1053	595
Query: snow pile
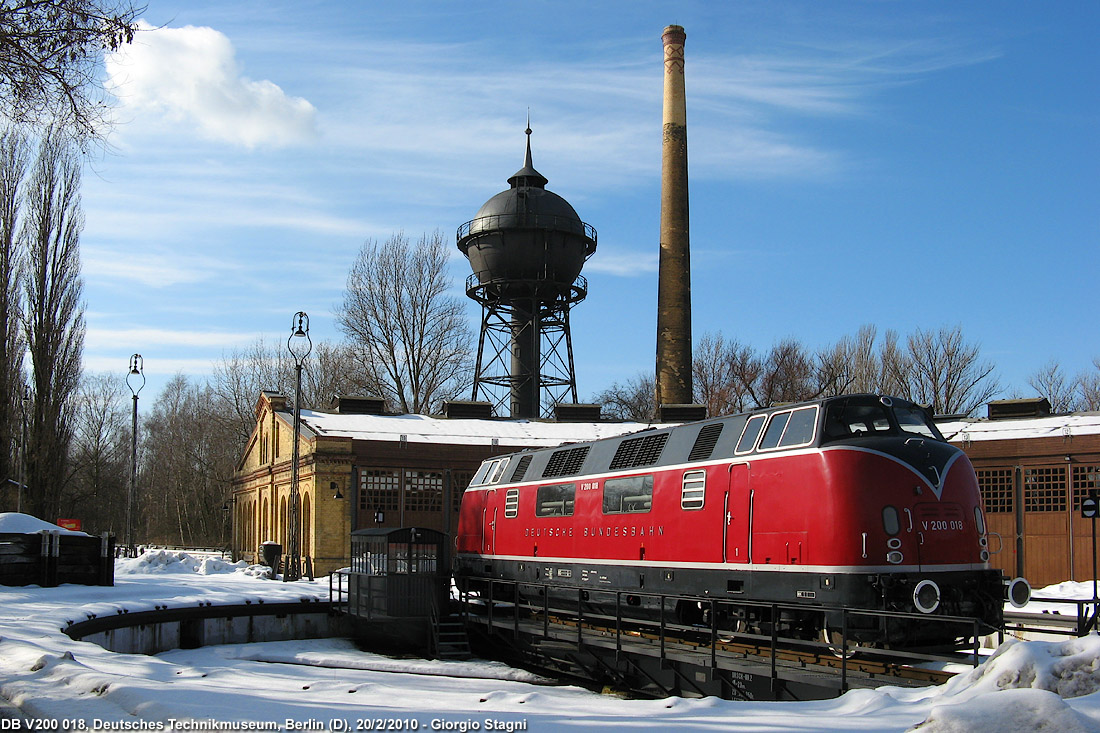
1032	681
17	523
178	561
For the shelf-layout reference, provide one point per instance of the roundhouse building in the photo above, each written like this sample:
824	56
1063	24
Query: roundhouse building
1034	469
360	468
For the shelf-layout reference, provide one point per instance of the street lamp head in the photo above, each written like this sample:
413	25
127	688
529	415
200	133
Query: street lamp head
135	379
299	342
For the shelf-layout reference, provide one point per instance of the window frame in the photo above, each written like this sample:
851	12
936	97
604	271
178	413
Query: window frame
762	419
646	492
570	503
790	414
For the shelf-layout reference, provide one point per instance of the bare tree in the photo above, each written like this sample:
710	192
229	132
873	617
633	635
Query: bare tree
410	337
50	53
187	468
237	381
54	318
946	372
1050	382
14	155
786	375
719	371
100	455
1088	387
242	374
333	370
636	399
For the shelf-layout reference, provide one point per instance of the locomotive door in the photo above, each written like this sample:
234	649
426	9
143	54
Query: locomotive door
489	523
737	516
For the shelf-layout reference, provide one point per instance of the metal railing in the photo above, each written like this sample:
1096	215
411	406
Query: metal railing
526	220
1083	621
493	596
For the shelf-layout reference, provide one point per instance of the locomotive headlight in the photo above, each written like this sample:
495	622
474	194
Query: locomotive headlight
1018	591
984	555
894	557
926	596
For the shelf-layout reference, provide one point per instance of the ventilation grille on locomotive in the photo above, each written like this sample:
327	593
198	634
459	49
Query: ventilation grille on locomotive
705	442
565	462
643	451
521	469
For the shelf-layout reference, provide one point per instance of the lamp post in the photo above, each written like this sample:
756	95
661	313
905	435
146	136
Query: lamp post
137	372
299	345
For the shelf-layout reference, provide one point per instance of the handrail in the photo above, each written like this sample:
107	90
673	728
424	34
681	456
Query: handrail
527	220
976	627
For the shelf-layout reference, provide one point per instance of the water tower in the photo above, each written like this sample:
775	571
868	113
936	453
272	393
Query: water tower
526	246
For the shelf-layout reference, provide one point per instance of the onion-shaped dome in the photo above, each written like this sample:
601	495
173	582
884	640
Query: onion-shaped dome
527	233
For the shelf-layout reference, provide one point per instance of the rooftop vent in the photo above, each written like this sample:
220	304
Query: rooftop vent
642	451
681	413
705	442
568	412
565	462
359	405
467	409
1029	407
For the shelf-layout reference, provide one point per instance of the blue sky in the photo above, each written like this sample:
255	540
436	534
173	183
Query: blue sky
900	164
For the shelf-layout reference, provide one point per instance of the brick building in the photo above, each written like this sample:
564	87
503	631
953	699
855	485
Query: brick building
360	468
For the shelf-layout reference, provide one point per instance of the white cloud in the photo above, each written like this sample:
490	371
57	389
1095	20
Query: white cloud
101	338
622	264
191	75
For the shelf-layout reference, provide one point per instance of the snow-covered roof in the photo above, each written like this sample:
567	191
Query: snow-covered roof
17	523
1053	426
457	431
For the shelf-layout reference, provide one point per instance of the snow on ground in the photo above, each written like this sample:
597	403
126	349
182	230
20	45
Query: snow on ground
330	685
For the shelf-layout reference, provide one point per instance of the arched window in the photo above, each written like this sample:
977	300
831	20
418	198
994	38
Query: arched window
282	523
306	527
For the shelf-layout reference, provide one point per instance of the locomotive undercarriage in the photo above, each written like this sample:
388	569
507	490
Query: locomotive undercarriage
809	606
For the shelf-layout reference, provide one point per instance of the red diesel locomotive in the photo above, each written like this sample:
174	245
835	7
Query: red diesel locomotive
851	502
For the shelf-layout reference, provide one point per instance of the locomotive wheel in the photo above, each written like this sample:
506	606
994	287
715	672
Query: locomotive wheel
834	640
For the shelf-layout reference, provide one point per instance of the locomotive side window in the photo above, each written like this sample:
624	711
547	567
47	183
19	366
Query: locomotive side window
511	503
800	428
479	477
490	472
629	495
694	490
498	470
775	430
750	434
555	501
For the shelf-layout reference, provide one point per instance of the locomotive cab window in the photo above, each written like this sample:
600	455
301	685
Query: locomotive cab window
628	495
555	501
915	420
855	420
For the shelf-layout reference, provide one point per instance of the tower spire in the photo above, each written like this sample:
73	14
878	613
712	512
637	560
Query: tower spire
527	175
